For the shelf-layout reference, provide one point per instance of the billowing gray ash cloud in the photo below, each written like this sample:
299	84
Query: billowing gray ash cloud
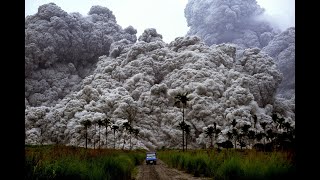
61	49
242	22
282	48
233	21
139	83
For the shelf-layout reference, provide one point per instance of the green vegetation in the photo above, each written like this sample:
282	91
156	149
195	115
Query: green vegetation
232	164
66	162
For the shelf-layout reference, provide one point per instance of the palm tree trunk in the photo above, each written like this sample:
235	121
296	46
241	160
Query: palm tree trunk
114	139
107	137
94	142
86	135
186	142
130	142
124	142
99	137
182	128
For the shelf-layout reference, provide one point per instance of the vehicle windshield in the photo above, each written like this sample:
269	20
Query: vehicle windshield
151	155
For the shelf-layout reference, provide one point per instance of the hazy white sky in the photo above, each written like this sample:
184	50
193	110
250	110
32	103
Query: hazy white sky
282	12
167	16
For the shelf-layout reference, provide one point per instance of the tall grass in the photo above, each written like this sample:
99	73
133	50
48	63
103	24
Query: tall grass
231	164
62	162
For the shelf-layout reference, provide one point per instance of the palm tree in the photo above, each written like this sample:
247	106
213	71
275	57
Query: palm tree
229	135
183	99
95	130
106	123
100	123
86	124
235	135
187	129
288	127
255	120
131	131
259	136
251	135
271	136
244	129
127	127
234	132
182	125
263	125
115	128
279	121
216	130
135	134
209	133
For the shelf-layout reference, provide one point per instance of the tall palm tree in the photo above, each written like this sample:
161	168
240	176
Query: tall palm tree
128	128
209	133
255	120
182	125
263	125
135	132
115	128
234	132
183	99
271	135
245	131
100	123
251	136
288	127
217	131
95	130
86	124
280	121
229	135
131	131
106	123
235	135
187	129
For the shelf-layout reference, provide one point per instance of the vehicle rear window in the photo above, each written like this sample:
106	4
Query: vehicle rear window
151	155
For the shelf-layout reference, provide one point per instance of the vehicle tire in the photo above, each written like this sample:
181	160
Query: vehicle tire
155	163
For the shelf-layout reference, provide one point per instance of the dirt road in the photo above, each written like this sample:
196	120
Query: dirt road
162	172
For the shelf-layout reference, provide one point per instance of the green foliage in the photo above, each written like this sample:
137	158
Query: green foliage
62	162
232	164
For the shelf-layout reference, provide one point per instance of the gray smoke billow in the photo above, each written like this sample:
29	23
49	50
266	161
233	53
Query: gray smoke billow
61	49
89	68
242	22
234	21
282	49
139	82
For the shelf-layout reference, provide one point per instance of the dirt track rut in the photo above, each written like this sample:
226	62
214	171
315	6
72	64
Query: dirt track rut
162	172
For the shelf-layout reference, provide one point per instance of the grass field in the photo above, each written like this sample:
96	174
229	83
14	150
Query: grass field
63	162
66	162
233	164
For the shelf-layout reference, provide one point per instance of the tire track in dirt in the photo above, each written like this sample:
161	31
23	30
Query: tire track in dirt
162	172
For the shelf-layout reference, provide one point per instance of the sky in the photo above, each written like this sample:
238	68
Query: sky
166	16
281	12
